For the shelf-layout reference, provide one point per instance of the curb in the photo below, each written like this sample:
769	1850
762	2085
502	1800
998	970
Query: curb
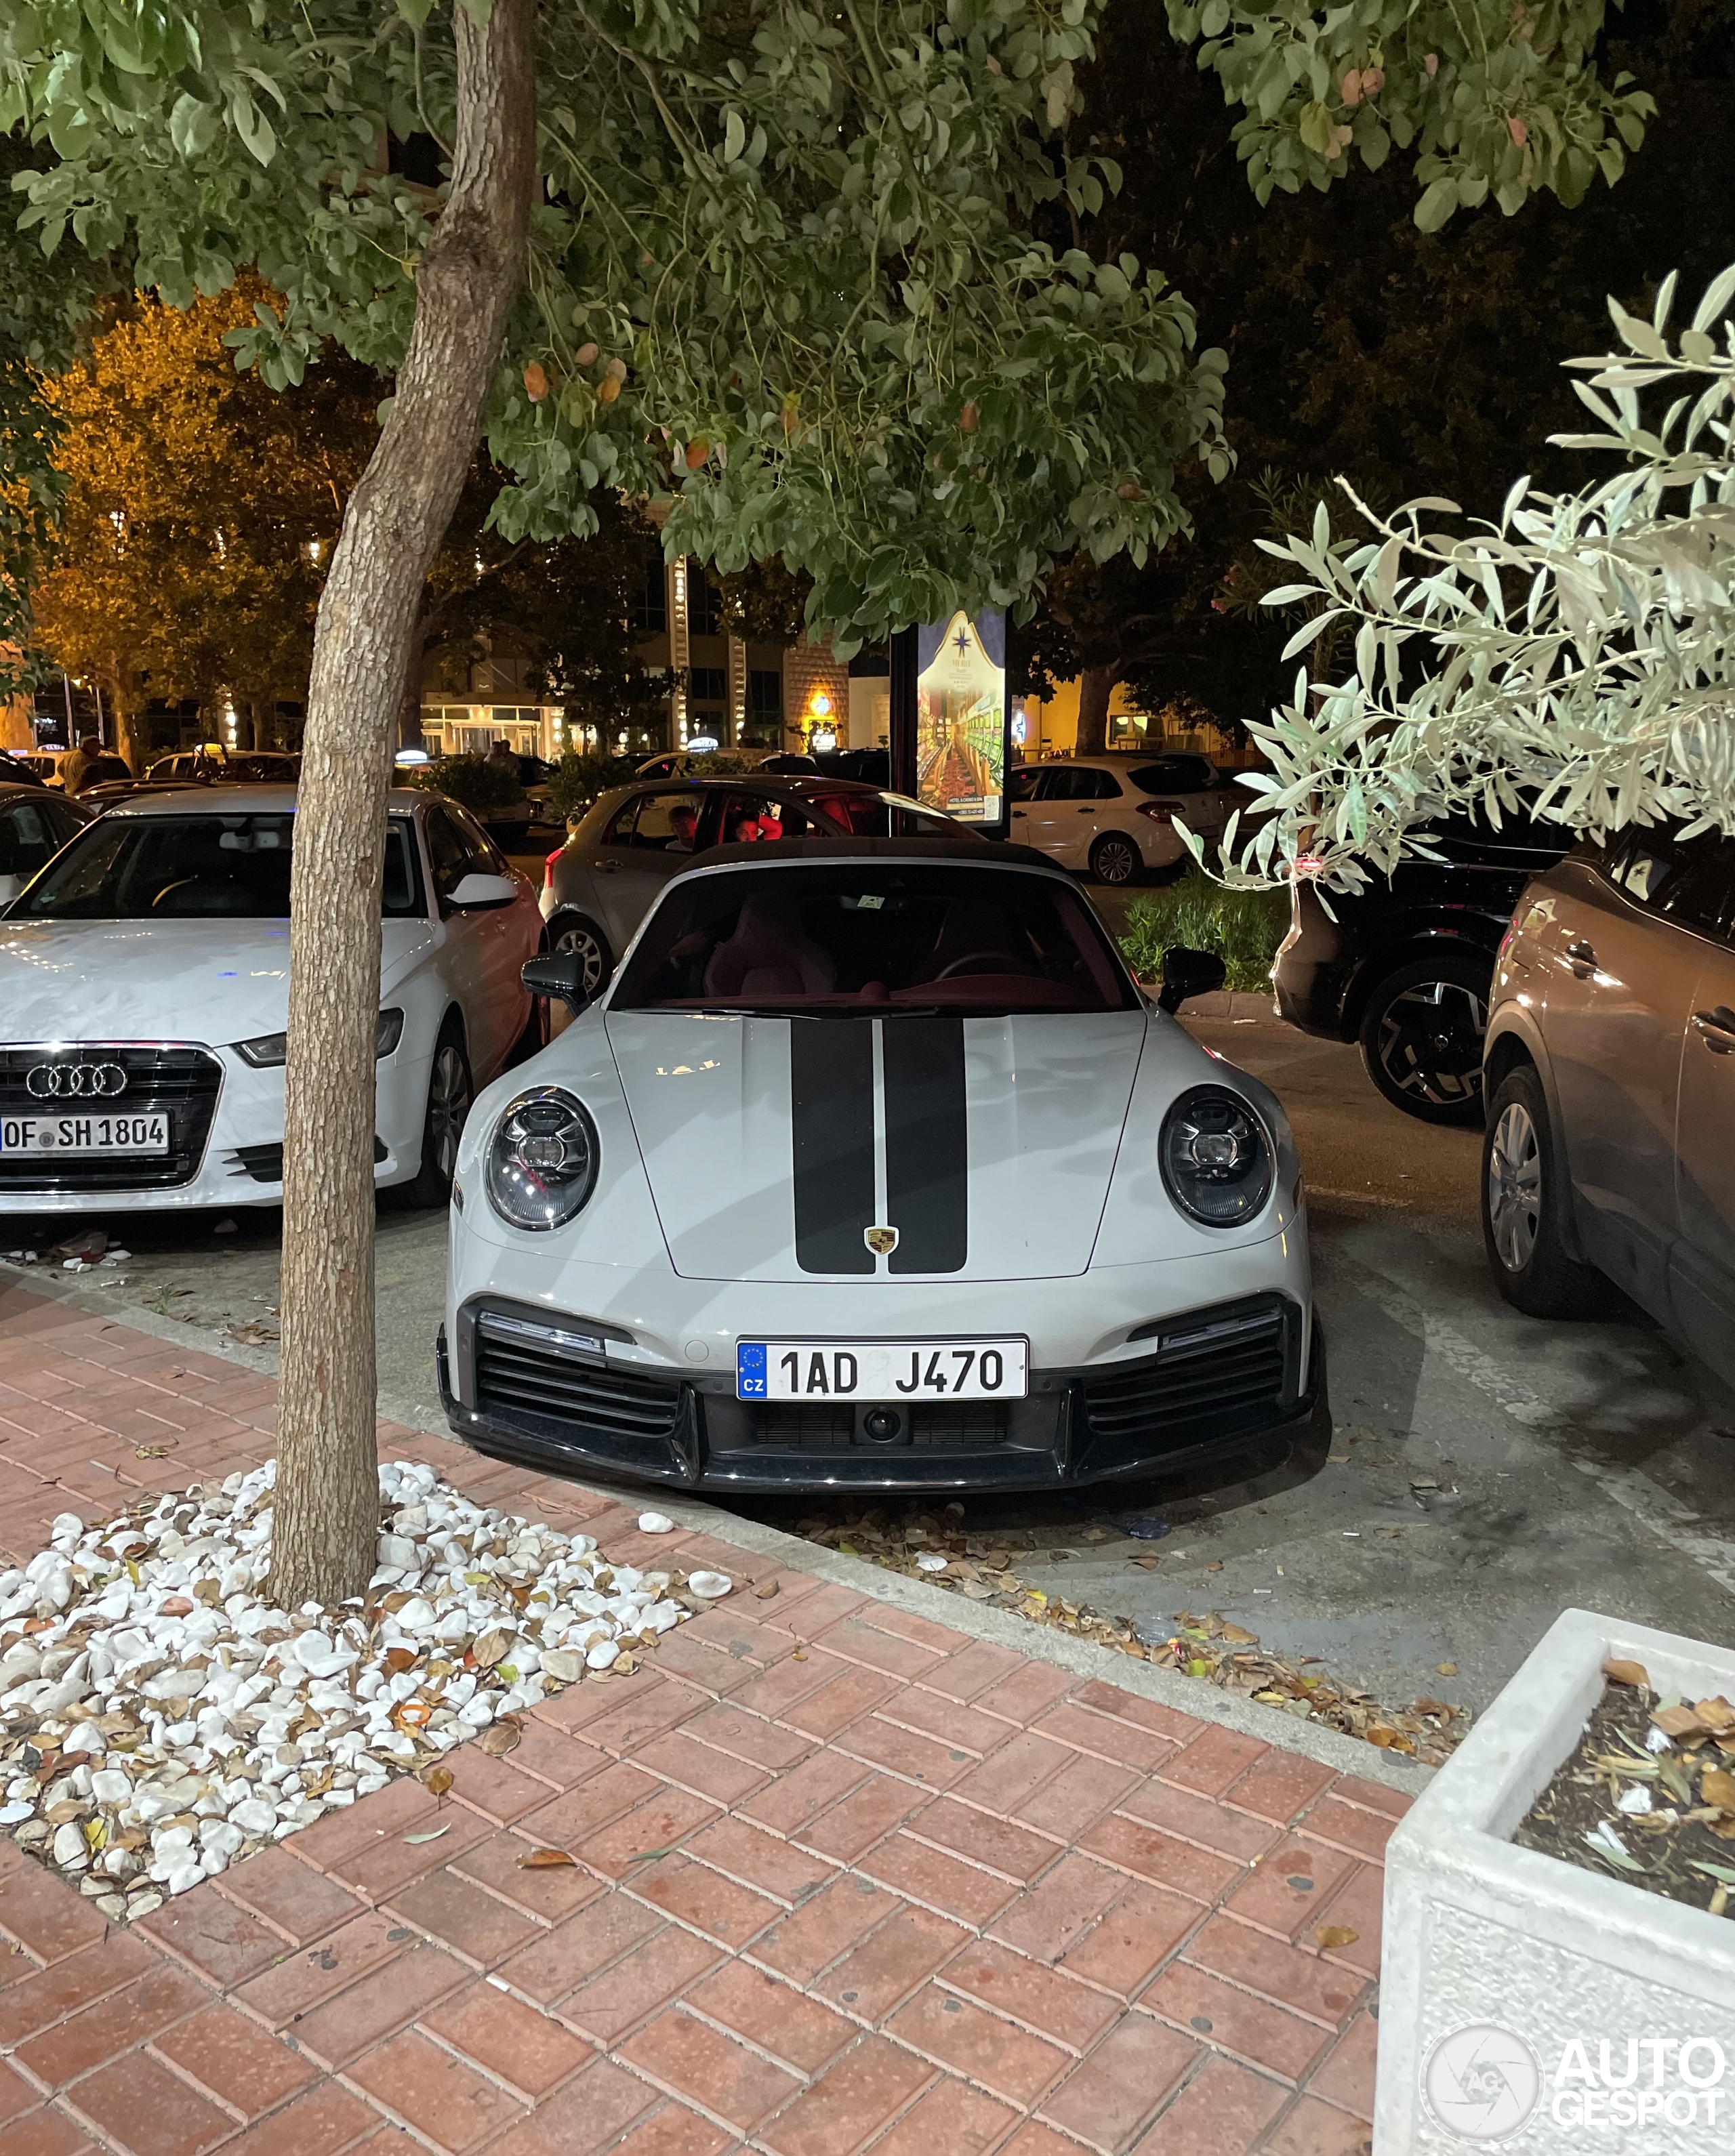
1042	1643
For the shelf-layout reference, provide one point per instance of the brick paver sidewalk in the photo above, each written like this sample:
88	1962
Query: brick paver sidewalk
847	1880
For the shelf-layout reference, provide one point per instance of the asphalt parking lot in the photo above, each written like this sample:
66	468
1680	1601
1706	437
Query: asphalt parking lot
1485	1469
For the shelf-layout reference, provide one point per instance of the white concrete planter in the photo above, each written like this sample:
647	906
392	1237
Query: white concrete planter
1480	1935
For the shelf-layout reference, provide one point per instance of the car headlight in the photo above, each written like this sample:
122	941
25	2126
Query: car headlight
542	1159
1215	1156
269	1051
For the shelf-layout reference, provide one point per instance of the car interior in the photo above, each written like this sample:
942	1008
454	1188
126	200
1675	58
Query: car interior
837	939
160	868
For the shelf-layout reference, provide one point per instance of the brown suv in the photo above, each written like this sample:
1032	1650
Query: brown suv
1609	1075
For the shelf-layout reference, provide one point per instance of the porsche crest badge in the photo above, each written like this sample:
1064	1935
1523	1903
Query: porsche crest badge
882	1241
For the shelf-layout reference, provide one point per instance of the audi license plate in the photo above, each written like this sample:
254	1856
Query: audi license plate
882	1369
84	1134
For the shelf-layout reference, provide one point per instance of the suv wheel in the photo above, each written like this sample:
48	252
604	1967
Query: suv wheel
1116	860
1421	1036
1523	1203
572	933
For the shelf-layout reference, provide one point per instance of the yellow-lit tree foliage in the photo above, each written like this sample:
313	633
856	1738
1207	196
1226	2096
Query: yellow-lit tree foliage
200	509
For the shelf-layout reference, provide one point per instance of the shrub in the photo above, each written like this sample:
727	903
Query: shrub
576	781
1243	927
481	786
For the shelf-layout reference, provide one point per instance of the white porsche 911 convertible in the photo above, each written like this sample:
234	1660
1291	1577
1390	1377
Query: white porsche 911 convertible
872	1167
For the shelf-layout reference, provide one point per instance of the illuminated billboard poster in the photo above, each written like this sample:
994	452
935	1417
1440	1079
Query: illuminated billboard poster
960	717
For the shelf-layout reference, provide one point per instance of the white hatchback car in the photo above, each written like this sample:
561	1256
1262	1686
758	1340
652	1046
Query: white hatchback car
1115	815
873	1169
144	991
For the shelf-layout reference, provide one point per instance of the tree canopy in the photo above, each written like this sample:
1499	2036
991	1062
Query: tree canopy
784	268
1410	361
197	507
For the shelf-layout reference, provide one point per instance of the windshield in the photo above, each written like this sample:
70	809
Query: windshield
837	938
169	868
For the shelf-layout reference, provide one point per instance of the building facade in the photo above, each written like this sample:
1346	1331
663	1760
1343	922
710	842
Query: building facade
728	692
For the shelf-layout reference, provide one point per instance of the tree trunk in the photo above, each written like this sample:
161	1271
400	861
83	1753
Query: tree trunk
328	1503
1096	685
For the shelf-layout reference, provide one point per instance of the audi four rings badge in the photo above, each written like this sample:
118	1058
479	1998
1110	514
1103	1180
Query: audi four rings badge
75	1081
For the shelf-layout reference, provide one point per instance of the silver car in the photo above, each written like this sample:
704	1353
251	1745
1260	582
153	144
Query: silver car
604	879
1609	1075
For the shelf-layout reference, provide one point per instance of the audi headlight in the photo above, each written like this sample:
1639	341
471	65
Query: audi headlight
268	1051
542	1159
1216	1157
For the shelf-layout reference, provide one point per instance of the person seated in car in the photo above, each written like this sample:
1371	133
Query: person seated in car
684	824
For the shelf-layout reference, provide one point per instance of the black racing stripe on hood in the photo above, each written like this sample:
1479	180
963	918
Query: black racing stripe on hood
927	1144
831	1118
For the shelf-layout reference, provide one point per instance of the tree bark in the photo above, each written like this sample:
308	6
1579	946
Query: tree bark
1096	685
327	1510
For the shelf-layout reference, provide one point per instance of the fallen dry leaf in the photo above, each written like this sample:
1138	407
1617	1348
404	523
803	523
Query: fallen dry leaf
436	1780
498	1738
1716	1715
1215	1565
1330	1937
1628	1673
1446	1669
400	1659
544	1860
1238	1636
1716	1786
1678	1720
623	1665
432	1833
493	1647
766	1589
798	1656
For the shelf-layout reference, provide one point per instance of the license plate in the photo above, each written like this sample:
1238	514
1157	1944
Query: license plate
84	1134
882	1369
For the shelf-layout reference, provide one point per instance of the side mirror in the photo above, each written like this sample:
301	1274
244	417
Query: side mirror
1188	973
559	975
10	886
479	890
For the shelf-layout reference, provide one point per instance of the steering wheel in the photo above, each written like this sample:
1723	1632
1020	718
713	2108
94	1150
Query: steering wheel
984	961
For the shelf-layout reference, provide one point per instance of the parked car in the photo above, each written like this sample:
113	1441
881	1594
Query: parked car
1404	966
144	992
42	765
1115	815
601	883
785	762
34	824
213	762
873	1169
1610	1078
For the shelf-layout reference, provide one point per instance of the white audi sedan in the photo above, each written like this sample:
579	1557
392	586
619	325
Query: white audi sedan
872	1167
144	992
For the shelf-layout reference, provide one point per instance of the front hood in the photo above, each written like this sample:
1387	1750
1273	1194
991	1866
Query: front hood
773	1145
208	981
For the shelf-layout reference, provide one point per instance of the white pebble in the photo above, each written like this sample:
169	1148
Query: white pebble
655	1523
709	1586
71	1852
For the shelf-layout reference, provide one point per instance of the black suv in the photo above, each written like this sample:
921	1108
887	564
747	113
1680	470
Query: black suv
1405	968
